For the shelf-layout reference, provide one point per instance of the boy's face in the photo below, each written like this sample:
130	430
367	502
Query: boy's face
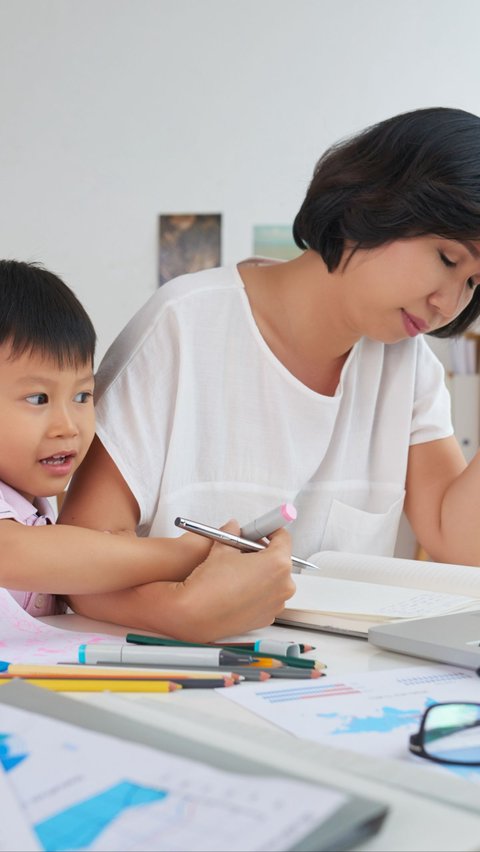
47	422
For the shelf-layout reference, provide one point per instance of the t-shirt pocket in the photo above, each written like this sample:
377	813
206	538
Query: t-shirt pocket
359	531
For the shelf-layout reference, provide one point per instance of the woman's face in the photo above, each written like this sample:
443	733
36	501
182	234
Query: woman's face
409	286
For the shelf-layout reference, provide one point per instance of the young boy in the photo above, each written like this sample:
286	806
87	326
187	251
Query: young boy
47	423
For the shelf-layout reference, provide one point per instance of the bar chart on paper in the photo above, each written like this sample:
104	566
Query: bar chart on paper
83	790
371	713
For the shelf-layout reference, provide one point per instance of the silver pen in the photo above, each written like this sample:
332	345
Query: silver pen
235	541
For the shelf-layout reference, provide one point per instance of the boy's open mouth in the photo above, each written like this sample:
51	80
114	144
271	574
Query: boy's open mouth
57	459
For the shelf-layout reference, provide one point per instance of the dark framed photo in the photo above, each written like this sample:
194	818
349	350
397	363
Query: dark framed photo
188	242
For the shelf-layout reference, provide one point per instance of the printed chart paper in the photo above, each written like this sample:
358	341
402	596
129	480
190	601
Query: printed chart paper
15	832
85	790
372	713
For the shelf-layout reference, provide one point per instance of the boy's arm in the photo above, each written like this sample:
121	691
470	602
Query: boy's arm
61	559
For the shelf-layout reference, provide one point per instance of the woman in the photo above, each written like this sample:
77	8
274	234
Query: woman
309	380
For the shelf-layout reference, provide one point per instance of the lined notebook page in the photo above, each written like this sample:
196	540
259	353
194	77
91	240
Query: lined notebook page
324	594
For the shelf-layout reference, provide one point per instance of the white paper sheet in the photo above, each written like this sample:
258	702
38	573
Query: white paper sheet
15	832
24	639
84	790
373	713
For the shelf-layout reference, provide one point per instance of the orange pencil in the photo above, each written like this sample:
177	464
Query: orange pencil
80	672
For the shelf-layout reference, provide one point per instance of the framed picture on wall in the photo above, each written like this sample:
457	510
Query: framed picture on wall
188	242
274	241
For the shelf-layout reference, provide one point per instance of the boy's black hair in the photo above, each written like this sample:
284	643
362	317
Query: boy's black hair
414	174
39	313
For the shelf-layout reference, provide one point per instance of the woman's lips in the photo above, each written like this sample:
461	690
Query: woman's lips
413	325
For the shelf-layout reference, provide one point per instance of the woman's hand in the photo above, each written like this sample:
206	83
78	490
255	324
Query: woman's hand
232	592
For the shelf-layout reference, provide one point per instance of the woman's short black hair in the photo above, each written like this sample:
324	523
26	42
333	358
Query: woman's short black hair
414	174
39	313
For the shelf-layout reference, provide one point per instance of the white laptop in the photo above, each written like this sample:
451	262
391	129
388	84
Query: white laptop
453	639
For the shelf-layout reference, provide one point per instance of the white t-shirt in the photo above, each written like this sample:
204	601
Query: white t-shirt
203	421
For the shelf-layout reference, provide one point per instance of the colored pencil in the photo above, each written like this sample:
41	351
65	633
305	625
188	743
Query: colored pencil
178	671
240	673
118	672
74	684
251	646
300	674
251	673
264	663
206	682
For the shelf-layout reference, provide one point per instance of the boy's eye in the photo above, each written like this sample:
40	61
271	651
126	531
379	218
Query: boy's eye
446	260
83	397
37	399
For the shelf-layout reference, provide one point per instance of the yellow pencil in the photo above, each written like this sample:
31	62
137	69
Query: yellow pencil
99	684
265	663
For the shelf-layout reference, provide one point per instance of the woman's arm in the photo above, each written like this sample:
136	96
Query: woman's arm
230	593
98	496
443	501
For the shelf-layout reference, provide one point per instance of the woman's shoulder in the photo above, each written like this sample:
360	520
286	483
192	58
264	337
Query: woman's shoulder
176	303
194	283
185	292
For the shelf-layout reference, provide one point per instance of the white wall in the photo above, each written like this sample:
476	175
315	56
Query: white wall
112	111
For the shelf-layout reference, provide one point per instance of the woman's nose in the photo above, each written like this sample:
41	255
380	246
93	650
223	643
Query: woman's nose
450	300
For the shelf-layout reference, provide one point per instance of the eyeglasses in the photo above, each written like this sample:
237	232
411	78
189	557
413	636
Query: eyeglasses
449	733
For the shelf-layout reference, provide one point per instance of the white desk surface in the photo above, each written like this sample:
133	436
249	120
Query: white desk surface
420	819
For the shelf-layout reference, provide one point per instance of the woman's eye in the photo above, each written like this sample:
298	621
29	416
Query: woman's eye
83	397
37	399
446	260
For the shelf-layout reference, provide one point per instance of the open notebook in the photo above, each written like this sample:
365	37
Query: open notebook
350	592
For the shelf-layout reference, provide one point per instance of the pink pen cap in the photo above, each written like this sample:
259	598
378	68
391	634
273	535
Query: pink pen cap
268	523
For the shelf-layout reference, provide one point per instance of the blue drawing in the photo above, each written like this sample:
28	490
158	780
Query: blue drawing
78	826
11	751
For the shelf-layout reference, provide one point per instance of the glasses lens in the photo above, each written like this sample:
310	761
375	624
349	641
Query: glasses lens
452	733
